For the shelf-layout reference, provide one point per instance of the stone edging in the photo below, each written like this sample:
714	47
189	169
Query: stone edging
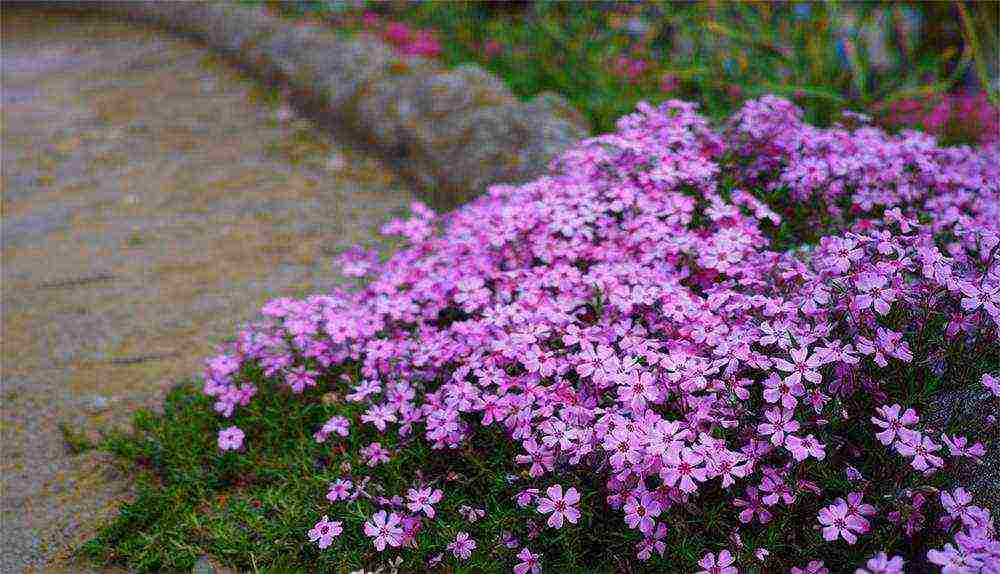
452	131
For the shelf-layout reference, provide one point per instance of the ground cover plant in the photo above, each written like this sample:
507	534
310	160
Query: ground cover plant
685	349
911	62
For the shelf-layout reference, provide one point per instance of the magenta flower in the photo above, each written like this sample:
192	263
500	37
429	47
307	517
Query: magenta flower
921	448
375	454
560	506
384	529
641	509
423	499
683	467
874	293
838	522
339	490
954	561
775	390
463	546
894	424
882	564
780	423
529	563
721	564
992	383
802	366
803	448
814	567
752	507
230	439
336	425
324	532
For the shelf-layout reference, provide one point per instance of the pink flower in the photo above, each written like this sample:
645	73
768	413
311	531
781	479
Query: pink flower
339	490
723	564
463	546
954	561
992	383
528	564
684	466
882	564
560	506
375	454
894	423
780	424
920	447
230	439
336	424
384	529
324	532
641	510
802	367
423	499
874	293
802	449
838	522
814	567
752	505
776	390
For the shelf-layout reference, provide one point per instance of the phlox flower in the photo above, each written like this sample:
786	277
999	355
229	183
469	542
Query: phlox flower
803	448
780	423
921	448
463	546
752	506
337	424
802	366
814	567
423	500
561	506
472	515
654	542
776	389
992	383
882	564
230	438
874	293
324	532
954	561
375	454
838	522
959	446
339	490
721	564
529	563
641	509
683	467
894	423
384	528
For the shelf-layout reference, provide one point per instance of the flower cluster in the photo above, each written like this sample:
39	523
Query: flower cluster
630	317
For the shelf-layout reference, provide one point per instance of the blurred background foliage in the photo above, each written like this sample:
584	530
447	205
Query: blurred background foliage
932	65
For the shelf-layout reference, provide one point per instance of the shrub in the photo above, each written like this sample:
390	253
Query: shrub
686	348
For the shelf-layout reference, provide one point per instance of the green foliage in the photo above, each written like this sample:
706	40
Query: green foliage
826	56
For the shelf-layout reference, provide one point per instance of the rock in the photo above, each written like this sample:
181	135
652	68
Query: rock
972	411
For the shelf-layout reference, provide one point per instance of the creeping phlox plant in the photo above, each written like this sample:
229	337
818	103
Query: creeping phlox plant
714	337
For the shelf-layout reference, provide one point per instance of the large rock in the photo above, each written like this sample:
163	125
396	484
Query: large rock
972	412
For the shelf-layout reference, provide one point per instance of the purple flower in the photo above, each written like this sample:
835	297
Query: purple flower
230	439
561	506
324	532
384	529
463	546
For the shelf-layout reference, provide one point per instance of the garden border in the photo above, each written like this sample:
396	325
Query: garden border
452	132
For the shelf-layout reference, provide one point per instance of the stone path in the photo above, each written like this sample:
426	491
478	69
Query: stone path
153	199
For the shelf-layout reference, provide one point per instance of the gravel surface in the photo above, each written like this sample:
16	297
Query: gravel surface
153	199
